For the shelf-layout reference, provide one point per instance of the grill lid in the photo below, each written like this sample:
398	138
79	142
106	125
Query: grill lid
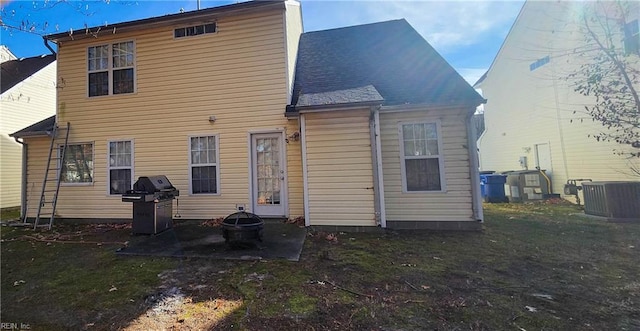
153	184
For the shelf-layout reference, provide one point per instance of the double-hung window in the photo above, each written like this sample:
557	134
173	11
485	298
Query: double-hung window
111	68
421	157
120	166
77	165
203	165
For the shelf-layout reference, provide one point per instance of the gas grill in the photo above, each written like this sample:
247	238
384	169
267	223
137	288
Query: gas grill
152	198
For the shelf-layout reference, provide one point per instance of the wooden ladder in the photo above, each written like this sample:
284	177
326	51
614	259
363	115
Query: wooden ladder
52	177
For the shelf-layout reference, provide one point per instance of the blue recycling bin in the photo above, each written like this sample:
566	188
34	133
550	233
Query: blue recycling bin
492	187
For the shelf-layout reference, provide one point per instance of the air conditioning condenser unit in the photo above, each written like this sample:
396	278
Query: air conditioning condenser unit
614	200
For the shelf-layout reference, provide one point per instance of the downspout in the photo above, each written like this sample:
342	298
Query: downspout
23	184
374	167
376	157
46	44
305	177
472	148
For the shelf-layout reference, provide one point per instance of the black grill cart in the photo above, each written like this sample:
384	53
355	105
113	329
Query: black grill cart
152	198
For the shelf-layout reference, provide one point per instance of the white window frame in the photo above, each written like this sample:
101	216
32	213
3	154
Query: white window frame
627	36
93	170
440	156
109	167
216	164
110	69
196	35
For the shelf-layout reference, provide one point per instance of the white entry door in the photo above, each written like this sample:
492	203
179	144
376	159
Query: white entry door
268	174
543	158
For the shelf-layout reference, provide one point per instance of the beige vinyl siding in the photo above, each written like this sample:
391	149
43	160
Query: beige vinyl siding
294	170
339	168
527	107
294	30
38	149
26	103
452	205
237	75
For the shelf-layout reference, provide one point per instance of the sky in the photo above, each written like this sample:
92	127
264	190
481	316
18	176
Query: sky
468	34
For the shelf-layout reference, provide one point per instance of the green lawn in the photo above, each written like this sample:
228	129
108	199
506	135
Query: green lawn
534	267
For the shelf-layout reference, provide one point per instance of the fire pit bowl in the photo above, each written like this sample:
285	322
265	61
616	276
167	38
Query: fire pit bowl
241	227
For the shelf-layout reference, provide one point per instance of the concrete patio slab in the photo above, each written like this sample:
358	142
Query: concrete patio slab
190	239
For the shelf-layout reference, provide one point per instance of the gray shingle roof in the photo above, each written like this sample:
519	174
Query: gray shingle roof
355	95
39	129
389	56
15	71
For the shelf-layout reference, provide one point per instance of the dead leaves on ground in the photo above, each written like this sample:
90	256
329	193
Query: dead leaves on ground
213	222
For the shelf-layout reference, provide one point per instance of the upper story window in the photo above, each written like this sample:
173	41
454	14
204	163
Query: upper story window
111	68
632	38
195	30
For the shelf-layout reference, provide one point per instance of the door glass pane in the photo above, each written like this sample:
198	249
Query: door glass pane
267	171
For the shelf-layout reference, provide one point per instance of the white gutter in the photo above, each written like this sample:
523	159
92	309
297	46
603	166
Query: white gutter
379	180
423	106
472	148
23	184
305	191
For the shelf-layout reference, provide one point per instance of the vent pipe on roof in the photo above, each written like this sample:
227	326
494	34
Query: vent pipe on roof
198	1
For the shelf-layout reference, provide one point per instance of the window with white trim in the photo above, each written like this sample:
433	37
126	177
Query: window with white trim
195	30
421	157
111	69
632	38
77	166
203	164
120	167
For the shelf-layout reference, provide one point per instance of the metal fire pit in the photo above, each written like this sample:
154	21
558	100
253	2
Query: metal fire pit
242	227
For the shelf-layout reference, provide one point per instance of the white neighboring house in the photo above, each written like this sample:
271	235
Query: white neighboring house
533	117
28	95
5	54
